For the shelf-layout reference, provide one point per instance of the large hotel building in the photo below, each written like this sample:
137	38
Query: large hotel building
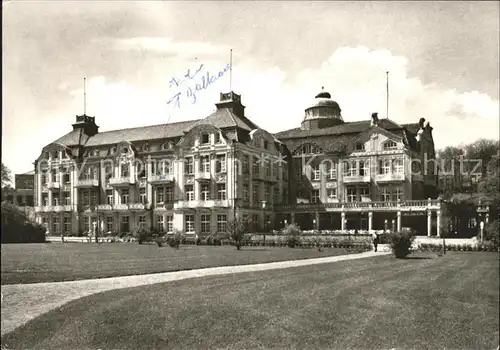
195	176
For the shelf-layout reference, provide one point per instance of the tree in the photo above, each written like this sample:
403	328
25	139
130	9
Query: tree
6	175
483	150
236	230
488	185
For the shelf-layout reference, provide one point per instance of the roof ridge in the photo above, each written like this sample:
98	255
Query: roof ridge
150	126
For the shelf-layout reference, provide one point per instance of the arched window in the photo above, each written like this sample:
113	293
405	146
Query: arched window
390	145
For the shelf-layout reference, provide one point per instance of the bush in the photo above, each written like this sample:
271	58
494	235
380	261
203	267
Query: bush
401	243
491	233
292	233
142	235
17	228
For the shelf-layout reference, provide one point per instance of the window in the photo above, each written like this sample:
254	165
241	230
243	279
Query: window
205	223
145	147
205	164
142	195
125	150
351	194
44	179
398	166
221	223
67	225
364	192
255	222
472	223
189	192
66	176
255	193
220	165
142	220
86	198
125	170
285	196
86	224
124	196
397	193
124	224
266	193
315	196
159	195
276	198
221	191
385	194
188	165
205	138
109	224
245	192
169	224
266	144
205	192
255	166
331	171
45	199
331	193
189	223
390	145
364	168
67	198
93	198
108	171
360	147
169	194
315	172
217	137
245	164
56	225
384	167
109	197
160	224
163	167
308	149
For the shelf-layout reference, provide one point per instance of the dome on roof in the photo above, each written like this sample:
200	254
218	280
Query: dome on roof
322	112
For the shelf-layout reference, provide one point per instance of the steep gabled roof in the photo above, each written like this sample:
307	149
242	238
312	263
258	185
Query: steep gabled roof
224	118
141	133
73	138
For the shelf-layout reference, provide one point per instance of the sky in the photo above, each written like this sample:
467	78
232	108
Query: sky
442	59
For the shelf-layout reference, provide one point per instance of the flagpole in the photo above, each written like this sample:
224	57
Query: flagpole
84	96
387	95
231	70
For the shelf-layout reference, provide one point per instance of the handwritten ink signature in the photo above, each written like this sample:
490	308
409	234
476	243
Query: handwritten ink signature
202	82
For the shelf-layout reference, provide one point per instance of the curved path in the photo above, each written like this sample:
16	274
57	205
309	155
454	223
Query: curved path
23	302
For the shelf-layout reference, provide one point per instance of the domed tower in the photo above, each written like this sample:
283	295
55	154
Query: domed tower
322	113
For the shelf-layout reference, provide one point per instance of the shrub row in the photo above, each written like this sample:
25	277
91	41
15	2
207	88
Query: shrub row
485	247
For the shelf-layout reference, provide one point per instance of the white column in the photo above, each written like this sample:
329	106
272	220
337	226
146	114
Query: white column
429	223
39	189
230	180
370	221
438	223
149	187
399	222
342	221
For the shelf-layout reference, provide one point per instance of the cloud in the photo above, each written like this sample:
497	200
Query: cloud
276	100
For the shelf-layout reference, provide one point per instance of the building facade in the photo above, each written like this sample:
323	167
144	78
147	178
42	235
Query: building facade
24	192
196	176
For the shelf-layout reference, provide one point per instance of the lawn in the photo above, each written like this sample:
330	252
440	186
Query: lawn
376	303
30	263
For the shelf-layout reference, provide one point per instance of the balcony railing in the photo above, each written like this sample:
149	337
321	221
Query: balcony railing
355	178
120	207
121	181
202	204
87	183
53	185
137	206
202	176
405	205
162	178
53	208
104	207
390	177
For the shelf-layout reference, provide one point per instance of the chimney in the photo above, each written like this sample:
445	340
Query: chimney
374	119
421	122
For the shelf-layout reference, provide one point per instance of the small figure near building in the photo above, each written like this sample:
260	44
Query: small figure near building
375	240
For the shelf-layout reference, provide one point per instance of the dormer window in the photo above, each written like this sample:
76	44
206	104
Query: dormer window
217	138
360	147
145	147
266	144
113	150
390	145
125	150
205	138
167	145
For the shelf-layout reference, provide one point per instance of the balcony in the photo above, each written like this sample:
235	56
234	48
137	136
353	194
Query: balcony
62	208
390	177
202	204
121	181
43	208
53	185
404	205
203	176
137	206
162	178
120	207
355	178
87	183
104	207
